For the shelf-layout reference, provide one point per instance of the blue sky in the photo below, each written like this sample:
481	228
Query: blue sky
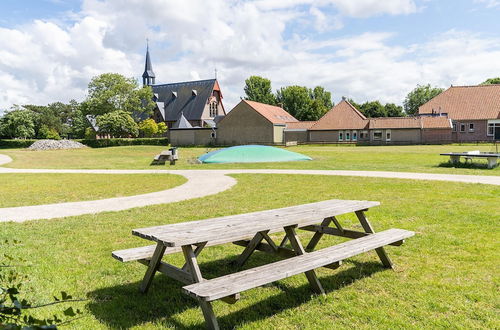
364	49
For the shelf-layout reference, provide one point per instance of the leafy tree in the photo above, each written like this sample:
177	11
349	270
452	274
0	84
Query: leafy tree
89	133
162	128
393	110
491	81
148	127
117	124
18	123
354	104
322	95
258	89
373	109
418	96
296	100
111	92
48	133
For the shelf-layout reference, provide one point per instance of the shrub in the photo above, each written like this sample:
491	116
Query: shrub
103	143
89	134
117	124
11	144
162	128
48	133
148	127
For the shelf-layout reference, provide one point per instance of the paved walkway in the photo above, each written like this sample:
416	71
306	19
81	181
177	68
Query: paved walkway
200	183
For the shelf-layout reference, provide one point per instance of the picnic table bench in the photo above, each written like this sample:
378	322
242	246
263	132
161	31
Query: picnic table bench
252	231
171	155
491	157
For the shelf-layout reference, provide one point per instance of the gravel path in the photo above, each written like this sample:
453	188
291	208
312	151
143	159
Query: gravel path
200	183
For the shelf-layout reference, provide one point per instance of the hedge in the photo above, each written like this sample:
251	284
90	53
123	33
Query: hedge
103	143
99	143
17	143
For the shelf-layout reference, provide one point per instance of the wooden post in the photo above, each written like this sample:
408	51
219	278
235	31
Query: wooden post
194	269
152	267
317	235
299	250
386	261
250	248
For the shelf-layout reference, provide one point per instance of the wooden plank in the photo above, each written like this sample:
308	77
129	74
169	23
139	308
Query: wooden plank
345	233
369	229
263	247
171	271
152	267
233	228
247	252
143	252
299	250
223	286
317	235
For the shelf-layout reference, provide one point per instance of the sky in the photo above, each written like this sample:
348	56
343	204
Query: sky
363	49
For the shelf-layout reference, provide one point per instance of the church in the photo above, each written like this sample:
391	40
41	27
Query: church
188	104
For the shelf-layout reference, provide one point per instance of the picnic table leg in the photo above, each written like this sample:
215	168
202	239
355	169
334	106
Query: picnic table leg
386	261
247	252
317	235
152	267
299	250
206	306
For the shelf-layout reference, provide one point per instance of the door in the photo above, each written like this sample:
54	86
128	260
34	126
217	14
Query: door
497	133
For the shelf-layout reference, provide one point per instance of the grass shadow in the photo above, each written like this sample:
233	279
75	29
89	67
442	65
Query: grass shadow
123	306
473	165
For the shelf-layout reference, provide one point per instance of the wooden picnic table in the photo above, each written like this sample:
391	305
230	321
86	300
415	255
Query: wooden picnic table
490	156
252	231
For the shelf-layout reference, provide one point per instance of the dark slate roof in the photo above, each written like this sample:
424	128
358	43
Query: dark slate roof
93	122
184	101
148	67
182	122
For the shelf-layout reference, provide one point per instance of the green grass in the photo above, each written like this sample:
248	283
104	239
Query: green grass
446	276
34	189
326	157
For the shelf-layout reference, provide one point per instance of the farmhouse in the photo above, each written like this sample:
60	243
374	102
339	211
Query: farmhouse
199	102
474	111
252	122
344	123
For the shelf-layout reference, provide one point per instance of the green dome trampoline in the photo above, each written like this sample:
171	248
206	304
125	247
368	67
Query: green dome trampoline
251	154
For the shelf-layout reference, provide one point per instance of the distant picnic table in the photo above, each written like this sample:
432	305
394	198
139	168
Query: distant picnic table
252	231
491	157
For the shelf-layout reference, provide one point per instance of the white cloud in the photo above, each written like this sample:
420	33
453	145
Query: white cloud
489	3
43	62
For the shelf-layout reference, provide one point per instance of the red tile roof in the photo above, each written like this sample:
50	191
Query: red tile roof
409	122
275	115
466	102
436	122
300	125
342	116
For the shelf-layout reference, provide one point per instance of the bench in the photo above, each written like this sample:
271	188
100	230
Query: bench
491	157
171	155
224	286
252	231
470	154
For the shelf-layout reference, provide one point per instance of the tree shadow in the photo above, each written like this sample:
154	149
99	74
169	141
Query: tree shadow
123	306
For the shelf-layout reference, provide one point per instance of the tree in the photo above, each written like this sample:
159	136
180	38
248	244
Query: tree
296	100
117	124
393	110
111	92
491	81
373	109
258	89
162	128
419	96
18	123
322	95
48	133
148	127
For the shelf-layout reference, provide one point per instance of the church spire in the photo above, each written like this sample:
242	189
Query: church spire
148	77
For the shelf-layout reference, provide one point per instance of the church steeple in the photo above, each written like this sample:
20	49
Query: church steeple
148	77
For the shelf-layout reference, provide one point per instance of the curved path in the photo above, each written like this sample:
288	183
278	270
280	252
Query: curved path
200	183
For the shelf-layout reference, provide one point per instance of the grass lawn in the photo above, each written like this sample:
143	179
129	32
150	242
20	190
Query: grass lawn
34	189
446	277
327	157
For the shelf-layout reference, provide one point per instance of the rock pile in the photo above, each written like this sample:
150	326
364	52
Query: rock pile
55	144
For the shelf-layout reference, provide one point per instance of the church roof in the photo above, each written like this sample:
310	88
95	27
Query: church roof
148	67
188	97
182	122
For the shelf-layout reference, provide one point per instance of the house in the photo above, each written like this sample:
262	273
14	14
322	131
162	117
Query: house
344	123
474	111
298	131
252	122
199	102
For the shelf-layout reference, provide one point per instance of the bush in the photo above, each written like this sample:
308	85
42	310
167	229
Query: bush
89	134
48	133
148	127
11	144
103	143
117	124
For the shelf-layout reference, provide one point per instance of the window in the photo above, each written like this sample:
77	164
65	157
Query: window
491	129
364	135
347	135
454	129
213	109
388	135
341	136
354	135
471	127
377	135
462	127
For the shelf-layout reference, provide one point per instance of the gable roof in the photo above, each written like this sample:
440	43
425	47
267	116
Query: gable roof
466	102
436	122
274	114
182	122
188	97
300	124
409	122
342	116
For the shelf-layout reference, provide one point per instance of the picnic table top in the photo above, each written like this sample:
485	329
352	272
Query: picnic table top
237	227
483	154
